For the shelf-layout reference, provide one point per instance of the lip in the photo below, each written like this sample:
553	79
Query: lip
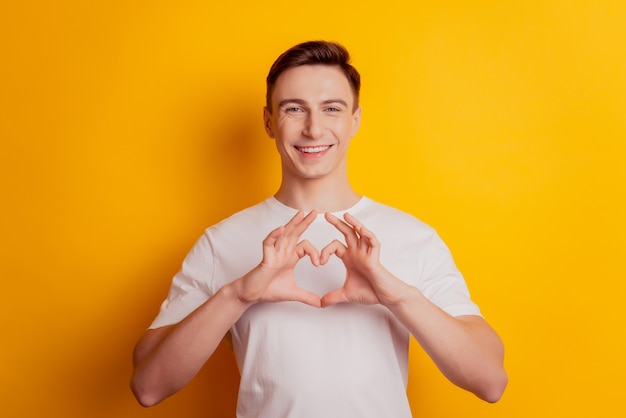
313	151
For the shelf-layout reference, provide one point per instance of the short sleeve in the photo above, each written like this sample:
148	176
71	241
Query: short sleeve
190	286
442	283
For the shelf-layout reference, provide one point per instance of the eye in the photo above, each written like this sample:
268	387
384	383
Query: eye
293	109
332	109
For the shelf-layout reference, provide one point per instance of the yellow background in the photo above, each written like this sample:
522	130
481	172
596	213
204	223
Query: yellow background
128	127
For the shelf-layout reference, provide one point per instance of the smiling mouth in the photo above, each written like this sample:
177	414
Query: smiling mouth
313	150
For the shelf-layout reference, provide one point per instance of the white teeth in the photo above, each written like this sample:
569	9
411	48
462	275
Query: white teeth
312	150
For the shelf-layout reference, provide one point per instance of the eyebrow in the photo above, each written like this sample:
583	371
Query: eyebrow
284	102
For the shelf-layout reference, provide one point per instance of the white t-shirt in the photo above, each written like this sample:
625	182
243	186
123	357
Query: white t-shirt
304	362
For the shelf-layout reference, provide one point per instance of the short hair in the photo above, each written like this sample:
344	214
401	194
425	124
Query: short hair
314	53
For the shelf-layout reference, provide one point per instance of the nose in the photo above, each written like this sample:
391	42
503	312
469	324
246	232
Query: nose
313	126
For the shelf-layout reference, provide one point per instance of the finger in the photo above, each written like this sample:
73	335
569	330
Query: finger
306	248
299	223
295	220
355	225
348	232
367	236
350	219
306	297
335	247
288	238
333	298
308	220
273	236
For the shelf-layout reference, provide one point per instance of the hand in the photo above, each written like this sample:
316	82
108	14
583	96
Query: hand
273	279
367	281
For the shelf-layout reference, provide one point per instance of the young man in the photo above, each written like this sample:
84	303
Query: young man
320	287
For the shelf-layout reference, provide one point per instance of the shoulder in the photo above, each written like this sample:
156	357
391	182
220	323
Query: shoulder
376	215
249	224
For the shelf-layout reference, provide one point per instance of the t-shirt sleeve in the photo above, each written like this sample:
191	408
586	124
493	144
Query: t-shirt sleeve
190	286
442	282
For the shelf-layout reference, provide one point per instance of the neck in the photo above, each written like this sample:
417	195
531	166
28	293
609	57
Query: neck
323	195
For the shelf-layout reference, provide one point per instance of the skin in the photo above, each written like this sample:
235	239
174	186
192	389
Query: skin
312	122
313	107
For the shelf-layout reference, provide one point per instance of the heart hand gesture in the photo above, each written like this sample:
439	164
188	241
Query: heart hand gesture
273	279
367	281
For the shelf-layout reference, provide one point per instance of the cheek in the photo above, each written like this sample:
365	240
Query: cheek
288	127
343	128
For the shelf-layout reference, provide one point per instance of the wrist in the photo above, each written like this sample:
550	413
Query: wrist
234	291
250	288
398	294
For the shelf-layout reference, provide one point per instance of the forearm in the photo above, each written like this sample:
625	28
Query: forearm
166	359
466	349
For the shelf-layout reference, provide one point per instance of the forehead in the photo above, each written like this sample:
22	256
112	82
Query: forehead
313	83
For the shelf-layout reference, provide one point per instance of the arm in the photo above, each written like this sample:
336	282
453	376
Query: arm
466	349
167	358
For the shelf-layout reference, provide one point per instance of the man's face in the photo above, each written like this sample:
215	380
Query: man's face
312	121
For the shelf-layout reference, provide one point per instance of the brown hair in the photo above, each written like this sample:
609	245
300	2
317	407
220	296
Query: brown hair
314	53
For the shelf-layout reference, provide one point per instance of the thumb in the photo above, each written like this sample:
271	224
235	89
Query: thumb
306	297
334	297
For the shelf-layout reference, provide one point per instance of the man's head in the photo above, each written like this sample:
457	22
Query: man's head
312	111
314	53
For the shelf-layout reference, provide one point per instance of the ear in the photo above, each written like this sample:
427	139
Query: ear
356	120
267	122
